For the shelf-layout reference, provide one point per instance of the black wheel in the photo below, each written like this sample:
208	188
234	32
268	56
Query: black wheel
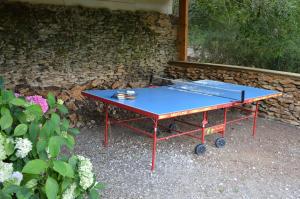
200	149
173	127
220	142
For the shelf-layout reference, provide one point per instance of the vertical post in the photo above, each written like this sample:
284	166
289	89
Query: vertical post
106	125
154	144
255	119
182	36
204	122
225	121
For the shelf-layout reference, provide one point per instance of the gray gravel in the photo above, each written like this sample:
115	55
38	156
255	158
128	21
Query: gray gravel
265	167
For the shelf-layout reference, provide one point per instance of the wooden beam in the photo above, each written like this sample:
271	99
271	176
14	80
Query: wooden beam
182	36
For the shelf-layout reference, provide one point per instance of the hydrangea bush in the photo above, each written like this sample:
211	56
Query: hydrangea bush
32	132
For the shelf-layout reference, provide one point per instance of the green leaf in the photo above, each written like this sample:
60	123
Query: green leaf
36	166
24	193
45	131
73	161
5	111
7	96
51	127
10	189
74	131
70	142
33	112
21	129
51	100
22	117
51	188
66	183
9	148
34	131
93	194
6	121
62	109
99	186
41	145
63	168
55	119
55	144
43	155
4	195
65	124
18	102
31	183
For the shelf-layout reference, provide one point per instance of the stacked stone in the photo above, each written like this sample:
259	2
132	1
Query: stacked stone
285	108
69	49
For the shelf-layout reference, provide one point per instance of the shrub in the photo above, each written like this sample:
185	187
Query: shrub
251	33
33	130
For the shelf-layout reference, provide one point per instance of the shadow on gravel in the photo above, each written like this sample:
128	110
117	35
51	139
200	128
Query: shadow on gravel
265	167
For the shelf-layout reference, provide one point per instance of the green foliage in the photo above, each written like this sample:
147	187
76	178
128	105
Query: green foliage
247	32
51	188
63	168
45	172
36	166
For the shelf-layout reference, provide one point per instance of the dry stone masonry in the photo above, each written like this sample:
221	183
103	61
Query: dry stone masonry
69	49
285	108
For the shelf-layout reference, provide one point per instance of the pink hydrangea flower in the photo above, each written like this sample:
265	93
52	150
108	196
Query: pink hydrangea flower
17	94
37	99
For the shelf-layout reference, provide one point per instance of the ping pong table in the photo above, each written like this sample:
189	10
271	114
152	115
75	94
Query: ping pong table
163	102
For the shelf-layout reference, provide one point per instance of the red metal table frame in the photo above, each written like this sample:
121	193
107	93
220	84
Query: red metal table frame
201	128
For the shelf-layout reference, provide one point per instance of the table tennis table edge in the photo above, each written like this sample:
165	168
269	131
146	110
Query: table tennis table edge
126	107
210	108
178	113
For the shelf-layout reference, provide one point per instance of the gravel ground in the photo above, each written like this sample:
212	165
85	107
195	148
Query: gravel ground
265	167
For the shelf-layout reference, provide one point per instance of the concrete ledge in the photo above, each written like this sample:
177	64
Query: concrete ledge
234	68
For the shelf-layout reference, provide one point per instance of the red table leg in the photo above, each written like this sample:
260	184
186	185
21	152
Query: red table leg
106	125
154	145
225	121
255	119
204	122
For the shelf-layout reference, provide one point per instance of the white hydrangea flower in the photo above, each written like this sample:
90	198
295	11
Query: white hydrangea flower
2	149
64	134
85	172
16	177
69	192
23	147
48	152
6	170
60	101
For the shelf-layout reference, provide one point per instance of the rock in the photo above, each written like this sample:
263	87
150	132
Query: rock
72	106
96	82
116	85
75	92
73	117
63	96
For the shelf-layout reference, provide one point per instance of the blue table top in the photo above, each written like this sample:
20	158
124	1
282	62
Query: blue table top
165	100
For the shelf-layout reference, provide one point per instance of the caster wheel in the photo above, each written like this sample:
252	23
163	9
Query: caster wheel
200	149
220	142
172	127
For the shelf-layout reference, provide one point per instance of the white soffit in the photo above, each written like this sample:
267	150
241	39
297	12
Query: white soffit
163	6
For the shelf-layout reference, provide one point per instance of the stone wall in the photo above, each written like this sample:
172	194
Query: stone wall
285	108
69	49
